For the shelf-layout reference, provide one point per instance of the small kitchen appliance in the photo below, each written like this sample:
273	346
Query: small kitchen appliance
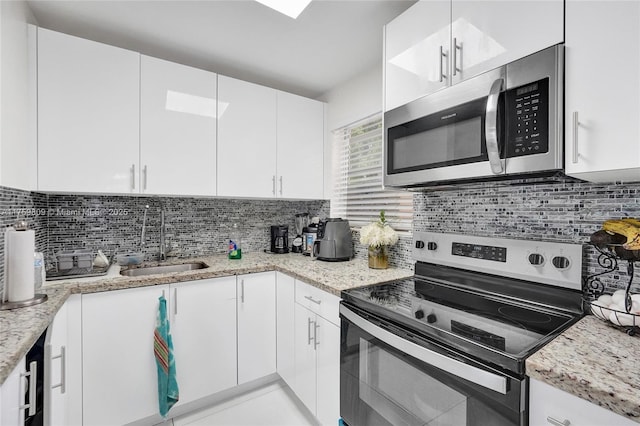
451	342
309	236
301	221
334	241
279	239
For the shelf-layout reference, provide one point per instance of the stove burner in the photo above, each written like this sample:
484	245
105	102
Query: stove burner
521	314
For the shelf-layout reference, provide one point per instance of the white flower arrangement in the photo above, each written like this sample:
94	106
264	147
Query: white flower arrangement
378	233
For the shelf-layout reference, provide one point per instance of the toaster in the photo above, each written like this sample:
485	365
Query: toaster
333	242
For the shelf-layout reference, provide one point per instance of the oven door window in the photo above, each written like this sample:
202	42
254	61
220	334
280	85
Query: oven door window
381	385
450	137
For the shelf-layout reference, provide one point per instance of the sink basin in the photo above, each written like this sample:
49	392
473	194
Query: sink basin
162	269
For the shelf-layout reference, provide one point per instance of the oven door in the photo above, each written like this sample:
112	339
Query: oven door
390	377
453	134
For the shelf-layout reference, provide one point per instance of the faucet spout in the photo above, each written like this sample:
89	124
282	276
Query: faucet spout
143	240
163	250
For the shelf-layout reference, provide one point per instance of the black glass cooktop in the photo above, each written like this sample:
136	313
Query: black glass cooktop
501	321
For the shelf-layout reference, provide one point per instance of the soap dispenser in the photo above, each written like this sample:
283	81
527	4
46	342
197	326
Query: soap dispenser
235	246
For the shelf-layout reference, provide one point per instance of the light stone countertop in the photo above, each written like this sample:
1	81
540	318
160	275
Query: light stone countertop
594	361
20	328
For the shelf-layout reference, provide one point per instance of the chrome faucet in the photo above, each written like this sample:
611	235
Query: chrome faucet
163	249
143	241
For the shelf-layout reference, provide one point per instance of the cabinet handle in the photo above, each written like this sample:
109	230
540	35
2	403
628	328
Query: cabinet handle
175	301
555	422
144	181
242	291
309	338
575	137
311	299
315	336
456	47
280	185
442	56
133	176
63	370
273	181
32	374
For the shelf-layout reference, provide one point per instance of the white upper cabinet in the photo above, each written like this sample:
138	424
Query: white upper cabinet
246	139
177	129
300	136
415	53
601	114
488	34
88	115
436	43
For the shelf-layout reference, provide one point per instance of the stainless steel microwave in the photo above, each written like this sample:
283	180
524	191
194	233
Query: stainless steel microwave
499	124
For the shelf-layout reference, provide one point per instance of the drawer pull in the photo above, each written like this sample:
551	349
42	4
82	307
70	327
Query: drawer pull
555	422
311	299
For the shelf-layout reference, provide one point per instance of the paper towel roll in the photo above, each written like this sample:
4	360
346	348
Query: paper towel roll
18	272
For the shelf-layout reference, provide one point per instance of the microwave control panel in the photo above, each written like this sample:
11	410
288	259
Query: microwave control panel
528	119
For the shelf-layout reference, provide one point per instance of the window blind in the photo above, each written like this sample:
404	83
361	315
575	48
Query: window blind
357	178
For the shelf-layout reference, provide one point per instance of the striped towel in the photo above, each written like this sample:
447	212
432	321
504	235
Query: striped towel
168	393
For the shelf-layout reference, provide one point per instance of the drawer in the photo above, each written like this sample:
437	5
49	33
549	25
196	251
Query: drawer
318	301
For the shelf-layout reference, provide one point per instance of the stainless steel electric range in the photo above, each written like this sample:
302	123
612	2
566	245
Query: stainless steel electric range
448	346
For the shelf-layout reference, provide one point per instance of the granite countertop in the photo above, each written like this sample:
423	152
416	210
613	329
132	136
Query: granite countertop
594	361
20	328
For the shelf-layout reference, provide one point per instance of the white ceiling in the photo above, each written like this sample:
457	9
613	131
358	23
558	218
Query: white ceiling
331	42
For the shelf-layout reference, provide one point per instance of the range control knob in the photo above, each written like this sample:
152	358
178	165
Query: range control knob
536	259
419	314
431	318
560	262
432	246
419	244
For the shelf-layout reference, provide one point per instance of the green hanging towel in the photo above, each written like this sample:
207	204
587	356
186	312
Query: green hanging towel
168	393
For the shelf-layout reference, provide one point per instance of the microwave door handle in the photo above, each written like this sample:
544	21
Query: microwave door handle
491	127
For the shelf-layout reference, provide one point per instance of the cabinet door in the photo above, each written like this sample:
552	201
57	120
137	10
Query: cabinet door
489	34
328	372
256	326
602	145
300	147
12	397
177	129
119	376
203	330
305	357
547	402
88	115
416	48
56	366
246	139
285	317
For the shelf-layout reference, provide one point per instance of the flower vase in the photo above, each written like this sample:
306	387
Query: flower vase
378	257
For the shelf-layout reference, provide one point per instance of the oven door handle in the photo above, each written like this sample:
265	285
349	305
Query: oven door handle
491	127
460	369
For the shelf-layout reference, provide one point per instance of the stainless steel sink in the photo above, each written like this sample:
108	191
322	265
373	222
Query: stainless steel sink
162	269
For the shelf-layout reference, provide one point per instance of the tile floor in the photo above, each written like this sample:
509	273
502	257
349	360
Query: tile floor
273	404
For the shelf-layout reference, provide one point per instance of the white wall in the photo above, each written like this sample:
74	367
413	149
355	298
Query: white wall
352	101
17	146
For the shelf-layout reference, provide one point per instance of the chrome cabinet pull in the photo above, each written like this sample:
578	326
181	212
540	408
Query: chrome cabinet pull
309	338
273	181
242	291
175	301
456	47
555	422
575	137
315	336
32	374
280	185
311	299
144	181
491	127
442	56
63	369
133	176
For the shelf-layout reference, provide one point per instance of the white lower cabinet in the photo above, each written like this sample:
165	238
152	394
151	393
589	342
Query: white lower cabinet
551	406
256	326
56	367
285	298
203	329
119	376
11	397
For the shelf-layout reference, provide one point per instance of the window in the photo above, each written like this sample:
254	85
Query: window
357	178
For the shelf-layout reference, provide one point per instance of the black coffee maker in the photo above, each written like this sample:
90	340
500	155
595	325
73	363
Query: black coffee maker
279	239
